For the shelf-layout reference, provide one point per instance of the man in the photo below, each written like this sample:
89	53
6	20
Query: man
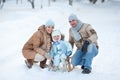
38	46
85	39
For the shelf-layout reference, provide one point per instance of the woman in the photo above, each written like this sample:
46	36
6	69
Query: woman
38	46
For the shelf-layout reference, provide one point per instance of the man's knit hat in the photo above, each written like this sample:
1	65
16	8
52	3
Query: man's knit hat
72	17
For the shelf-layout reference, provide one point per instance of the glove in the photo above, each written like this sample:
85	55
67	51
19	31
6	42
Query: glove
47	56
69	53
85	46
39	57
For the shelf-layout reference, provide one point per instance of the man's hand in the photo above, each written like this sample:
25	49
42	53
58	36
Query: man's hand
85	46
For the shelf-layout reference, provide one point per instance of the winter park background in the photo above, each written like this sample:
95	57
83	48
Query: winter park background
19	21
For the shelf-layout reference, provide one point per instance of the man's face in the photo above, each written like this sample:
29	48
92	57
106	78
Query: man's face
49	29
73	23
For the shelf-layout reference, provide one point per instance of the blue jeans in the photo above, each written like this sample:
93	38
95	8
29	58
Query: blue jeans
85	59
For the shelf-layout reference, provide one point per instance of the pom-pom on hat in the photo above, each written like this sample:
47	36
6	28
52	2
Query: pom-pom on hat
50	23
72	17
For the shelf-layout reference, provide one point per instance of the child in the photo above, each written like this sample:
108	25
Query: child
60	51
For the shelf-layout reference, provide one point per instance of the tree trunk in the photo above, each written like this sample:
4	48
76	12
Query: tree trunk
41	6
103	1
70	2
48	2
16	1
4	1
32	3
54	0
93	1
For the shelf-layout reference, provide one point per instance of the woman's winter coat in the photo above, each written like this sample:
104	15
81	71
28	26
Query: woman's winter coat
40	42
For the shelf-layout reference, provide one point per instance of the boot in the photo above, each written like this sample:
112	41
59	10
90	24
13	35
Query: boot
64	65
43	63
55	68
29	63
50	65
86	71
82	67
64	68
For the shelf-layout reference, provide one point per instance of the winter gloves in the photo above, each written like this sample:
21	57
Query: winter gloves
69	53
47	56
39	57
85	46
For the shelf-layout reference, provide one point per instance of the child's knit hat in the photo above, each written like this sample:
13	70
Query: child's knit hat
55	33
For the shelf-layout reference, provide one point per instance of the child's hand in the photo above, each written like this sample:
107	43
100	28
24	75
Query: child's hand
69	53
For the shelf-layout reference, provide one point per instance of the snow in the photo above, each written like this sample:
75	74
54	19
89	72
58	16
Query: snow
18	22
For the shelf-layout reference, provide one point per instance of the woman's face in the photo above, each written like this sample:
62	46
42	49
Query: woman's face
49	29
73	23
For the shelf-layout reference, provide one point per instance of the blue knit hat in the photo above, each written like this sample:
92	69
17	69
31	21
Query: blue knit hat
49	23
72	17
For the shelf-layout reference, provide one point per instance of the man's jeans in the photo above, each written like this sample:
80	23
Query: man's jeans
85	59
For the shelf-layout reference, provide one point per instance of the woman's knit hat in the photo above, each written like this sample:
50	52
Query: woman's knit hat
49	23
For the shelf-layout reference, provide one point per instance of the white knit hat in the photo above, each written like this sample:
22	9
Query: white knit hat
55	33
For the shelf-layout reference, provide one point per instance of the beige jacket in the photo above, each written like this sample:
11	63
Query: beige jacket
40	42
86	32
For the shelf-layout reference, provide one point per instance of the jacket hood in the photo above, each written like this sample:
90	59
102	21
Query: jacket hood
41	28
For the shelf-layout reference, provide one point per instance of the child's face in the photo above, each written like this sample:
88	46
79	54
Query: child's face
56	37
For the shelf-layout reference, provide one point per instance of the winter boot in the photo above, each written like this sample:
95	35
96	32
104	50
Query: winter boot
64	68
50	65
64	65
43	63
29	63
82	67
55	68
86	71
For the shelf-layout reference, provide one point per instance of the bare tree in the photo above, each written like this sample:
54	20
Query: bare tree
54	0
41	6
70	2
103	1
18	1
2	3
48	2
32	3
93	1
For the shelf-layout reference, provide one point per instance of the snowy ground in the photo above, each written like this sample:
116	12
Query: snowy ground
19	22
